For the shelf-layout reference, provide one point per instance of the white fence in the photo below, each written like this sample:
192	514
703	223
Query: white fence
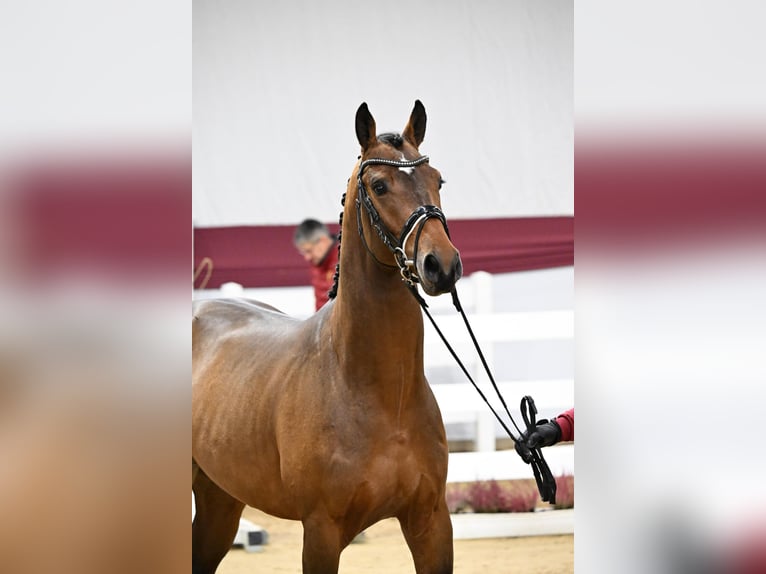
524	323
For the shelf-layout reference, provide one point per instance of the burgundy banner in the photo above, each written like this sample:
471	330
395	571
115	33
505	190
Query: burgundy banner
653	195
123	217
264	256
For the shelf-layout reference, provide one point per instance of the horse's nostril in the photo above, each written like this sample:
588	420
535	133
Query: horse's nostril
441	280
431	267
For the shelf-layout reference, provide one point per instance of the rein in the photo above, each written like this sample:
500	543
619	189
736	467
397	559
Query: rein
546	483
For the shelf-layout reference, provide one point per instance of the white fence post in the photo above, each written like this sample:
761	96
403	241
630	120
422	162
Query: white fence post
485	422
232	289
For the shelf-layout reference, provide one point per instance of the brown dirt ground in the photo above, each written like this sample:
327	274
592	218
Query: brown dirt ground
383	550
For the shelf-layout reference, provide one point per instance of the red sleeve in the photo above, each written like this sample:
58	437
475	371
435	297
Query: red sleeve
566	421
322	276
321	285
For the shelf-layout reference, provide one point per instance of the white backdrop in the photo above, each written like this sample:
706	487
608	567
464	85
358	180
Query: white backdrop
277	84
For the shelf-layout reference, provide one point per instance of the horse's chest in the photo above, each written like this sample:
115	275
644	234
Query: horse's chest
398	464
393	478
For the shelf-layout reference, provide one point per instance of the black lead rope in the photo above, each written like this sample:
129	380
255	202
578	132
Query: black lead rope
546	483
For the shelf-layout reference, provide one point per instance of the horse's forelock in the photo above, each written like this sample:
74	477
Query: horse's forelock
392	139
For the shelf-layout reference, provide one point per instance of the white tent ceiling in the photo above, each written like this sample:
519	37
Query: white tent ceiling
276	86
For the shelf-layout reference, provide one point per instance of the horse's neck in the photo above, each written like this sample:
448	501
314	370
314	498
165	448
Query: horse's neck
376	320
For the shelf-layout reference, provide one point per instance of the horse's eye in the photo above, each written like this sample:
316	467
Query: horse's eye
379	187
441	183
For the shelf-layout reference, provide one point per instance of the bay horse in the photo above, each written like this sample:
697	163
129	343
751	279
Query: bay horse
330	420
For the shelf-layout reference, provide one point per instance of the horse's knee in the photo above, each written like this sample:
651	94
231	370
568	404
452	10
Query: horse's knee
430	539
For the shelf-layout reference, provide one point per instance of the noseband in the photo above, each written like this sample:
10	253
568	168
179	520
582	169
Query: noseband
416	220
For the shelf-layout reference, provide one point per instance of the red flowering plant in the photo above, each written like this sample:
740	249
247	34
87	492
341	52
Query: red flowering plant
492	496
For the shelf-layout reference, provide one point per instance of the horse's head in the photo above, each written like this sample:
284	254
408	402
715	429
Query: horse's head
399	191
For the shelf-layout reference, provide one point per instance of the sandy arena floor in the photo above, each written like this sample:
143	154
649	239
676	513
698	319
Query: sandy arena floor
384	551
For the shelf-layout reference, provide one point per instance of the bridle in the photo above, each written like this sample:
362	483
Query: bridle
414	223
546	483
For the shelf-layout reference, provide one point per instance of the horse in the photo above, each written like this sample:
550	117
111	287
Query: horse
330	420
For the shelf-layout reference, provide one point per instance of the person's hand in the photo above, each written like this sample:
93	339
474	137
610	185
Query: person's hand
546	433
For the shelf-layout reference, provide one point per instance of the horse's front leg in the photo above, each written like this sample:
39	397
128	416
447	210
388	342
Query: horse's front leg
428	532
321	545
215	523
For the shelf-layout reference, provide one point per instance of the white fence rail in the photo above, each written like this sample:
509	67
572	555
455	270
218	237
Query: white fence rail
506	464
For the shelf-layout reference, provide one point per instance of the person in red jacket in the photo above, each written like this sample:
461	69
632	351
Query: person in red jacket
547	433
319	248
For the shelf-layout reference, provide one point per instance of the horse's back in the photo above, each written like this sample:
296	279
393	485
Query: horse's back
231	313
239	339
217	318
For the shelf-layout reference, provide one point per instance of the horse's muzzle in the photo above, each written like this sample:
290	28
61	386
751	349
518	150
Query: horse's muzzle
439	277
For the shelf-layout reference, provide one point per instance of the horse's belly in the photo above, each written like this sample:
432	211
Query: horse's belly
251	475
234	443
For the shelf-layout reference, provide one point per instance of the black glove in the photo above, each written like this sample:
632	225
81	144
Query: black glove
546	433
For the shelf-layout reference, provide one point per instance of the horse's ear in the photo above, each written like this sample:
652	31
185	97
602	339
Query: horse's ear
365	127
415	130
